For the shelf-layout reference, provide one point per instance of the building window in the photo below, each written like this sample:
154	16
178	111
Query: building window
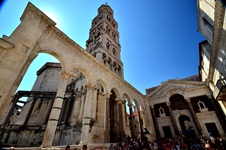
202	106
108	46
207	23
161	111
113	51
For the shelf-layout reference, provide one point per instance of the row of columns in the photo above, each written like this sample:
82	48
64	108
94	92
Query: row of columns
85	113
173	119
88	103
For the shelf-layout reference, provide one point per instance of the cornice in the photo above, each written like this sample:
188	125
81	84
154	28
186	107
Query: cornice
176	88
218	27
174	81
73	44
38	13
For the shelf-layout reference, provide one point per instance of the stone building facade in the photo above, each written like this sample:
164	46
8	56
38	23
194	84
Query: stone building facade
84	98
87	101
184	108
212	24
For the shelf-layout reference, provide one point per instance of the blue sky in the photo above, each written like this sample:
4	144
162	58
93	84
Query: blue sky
159	38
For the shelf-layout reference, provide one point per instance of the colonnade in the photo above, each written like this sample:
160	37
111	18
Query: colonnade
174	120
84	110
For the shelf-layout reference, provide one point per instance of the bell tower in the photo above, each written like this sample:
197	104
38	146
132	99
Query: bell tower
103	42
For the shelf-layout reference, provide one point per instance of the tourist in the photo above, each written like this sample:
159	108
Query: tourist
67	147
84	147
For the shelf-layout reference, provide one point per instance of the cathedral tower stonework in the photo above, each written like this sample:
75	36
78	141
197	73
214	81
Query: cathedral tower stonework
103	42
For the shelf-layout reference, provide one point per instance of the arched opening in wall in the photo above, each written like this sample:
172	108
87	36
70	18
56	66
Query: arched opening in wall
177	102
186	127
114	124
33	100
137	119
125	115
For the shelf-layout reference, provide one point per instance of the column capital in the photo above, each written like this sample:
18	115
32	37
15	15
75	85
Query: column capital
65	74
209	96
188	100
167	103
90	86
152	105
74	74
107	95
123	101
78	93
119	100
130	105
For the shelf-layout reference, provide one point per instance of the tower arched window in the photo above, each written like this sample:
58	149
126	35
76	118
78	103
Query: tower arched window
108	46
113	51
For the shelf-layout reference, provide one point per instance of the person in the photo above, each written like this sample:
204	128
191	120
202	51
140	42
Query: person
84	147
111	147
67	147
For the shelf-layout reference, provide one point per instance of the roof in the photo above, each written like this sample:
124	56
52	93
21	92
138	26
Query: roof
48	65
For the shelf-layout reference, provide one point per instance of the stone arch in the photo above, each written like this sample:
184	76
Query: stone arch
177	101
101	83
51	52
174	90
114	115
126	97
81	70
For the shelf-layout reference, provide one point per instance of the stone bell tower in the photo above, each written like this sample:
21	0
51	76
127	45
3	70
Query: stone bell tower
103	42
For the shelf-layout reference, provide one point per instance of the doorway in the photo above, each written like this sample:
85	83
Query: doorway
167	131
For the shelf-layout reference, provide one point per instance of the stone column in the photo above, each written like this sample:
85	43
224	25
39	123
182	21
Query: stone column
94	103
107	119
81	112
194	116
155	121
30	111
131	120
173	119
55	112
219	112
87	114
77	107
140	122
120	119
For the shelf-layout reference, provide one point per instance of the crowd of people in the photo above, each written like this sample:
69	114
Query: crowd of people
178	143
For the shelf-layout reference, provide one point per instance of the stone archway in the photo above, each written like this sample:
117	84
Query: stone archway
37	33
114	124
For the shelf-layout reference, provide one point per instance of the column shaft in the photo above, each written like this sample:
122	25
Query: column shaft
155	122
219	113
87	114
77	107
94	104
55	113
131	121
121	131
194	117
173	121
107	120
140	123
